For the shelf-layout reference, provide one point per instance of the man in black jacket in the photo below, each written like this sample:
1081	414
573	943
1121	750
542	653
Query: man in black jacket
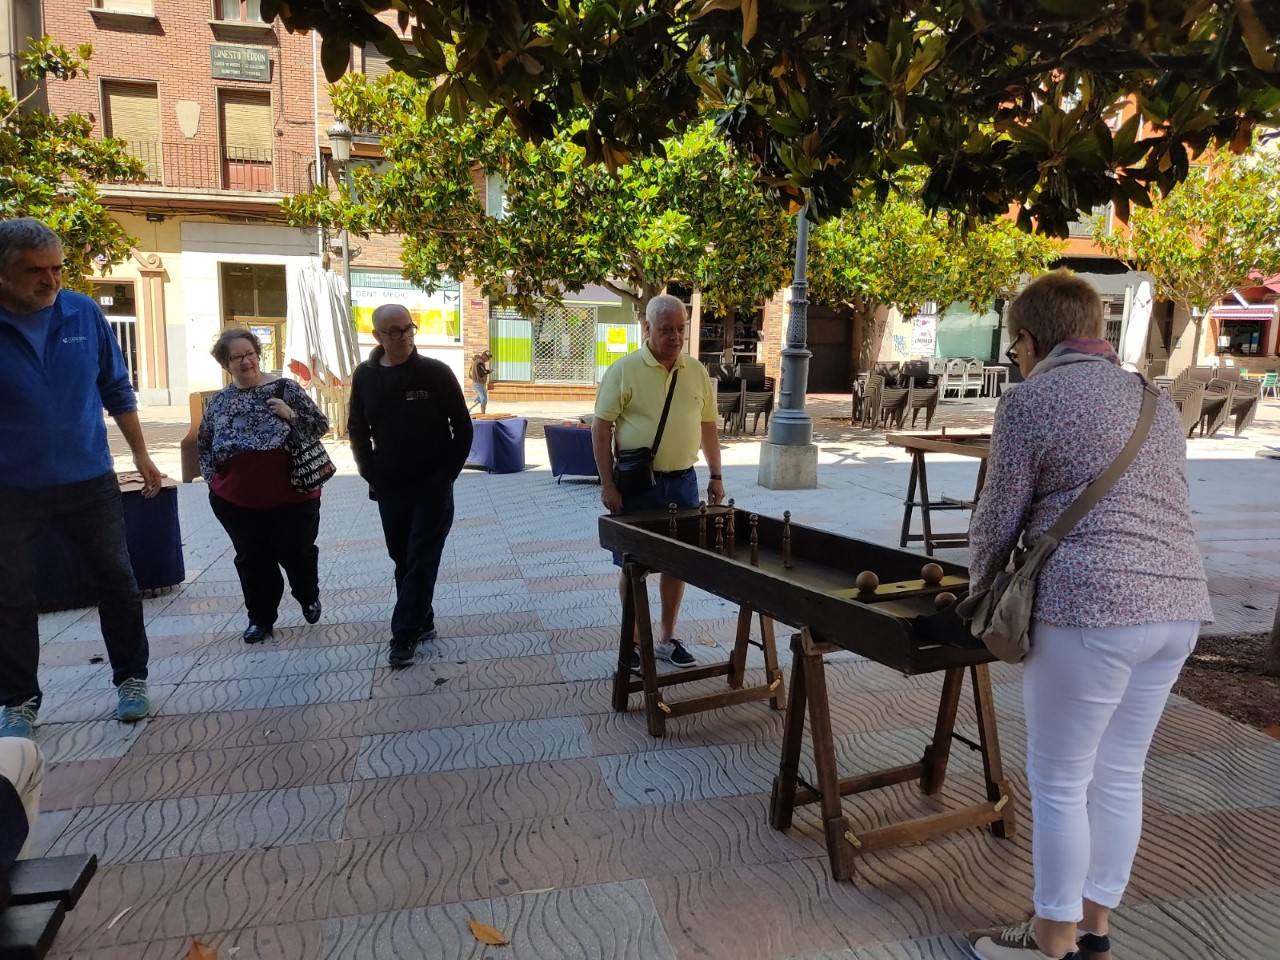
410	433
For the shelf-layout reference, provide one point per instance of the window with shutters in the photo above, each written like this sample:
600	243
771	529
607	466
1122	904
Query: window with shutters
247	137
244	11
143	8
131	112
375	63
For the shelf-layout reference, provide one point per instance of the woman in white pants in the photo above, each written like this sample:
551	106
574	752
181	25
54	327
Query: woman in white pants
1118	608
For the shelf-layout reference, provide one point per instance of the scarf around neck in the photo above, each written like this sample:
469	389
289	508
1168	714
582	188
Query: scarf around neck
1077	350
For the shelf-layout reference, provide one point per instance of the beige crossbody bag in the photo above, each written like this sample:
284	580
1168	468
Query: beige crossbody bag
1000	616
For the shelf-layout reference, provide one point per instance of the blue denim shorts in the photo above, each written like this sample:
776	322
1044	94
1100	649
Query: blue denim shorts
679	487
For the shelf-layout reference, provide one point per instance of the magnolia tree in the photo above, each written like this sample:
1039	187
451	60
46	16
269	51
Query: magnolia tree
695	215
1001	102
895	253
50	167
1217	230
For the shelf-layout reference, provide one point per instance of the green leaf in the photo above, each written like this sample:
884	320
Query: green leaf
335	56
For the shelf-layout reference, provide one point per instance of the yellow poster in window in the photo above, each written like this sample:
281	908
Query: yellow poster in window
615	339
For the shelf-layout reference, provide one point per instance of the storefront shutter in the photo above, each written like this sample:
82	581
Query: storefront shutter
133	115
247	130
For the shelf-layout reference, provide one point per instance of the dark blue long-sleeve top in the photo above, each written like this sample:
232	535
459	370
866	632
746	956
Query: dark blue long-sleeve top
51	426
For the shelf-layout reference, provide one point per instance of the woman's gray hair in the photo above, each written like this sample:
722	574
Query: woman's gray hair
1058	306
222	346
24	233
661	305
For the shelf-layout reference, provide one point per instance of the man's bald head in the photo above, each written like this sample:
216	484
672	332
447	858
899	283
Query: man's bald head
393	328
391	315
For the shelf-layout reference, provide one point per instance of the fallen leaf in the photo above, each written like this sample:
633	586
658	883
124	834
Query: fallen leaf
485	933
708	643
116	918
201	951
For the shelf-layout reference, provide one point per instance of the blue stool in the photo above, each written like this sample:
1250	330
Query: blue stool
153	534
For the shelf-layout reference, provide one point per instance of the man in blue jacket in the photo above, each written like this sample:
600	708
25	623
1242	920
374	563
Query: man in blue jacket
62	366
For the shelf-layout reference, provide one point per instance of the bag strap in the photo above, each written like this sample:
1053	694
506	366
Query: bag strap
666	408
1107	479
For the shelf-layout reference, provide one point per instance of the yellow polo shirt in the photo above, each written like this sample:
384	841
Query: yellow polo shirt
632	393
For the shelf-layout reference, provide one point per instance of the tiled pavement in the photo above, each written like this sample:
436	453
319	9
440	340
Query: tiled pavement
301	800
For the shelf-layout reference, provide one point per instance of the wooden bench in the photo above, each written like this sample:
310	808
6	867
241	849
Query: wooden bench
41	893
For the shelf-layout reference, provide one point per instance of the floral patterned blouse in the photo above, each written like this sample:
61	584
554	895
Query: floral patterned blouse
239	421
1133	558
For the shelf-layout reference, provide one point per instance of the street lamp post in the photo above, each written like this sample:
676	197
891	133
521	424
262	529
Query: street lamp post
340	145
789	458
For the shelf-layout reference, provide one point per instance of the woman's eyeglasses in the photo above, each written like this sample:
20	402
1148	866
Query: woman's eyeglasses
1012	353
399	333
238	357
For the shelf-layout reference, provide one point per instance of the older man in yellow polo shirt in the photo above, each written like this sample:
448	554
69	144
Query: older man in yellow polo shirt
628	407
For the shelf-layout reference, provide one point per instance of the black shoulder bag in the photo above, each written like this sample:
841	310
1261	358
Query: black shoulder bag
633	469
309	463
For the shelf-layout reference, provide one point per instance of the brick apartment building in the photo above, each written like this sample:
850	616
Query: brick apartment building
229	115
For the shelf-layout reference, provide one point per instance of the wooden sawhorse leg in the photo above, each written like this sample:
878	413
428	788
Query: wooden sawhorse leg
637	630
909	504
809	696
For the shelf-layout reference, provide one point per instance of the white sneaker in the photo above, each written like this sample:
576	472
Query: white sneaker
1017	942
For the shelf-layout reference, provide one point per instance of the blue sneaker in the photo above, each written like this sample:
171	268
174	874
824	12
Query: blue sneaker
133	704
19	720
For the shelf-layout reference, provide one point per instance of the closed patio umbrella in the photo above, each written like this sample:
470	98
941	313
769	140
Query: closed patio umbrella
320	346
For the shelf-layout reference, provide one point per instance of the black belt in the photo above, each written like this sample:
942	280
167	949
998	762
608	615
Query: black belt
671	473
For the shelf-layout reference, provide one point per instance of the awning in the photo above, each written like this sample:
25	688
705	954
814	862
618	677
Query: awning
1255	311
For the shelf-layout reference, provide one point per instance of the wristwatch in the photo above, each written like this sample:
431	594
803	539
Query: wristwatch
716	476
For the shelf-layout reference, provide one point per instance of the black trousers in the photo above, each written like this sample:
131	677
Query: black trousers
266	540
415	523
90	515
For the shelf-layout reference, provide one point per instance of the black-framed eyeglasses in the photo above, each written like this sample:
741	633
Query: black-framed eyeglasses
399	333
1012	353
238	357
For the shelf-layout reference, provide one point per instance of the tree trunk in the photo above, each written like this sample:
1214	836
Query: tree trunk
864	319
1195	349
635	299
1271	665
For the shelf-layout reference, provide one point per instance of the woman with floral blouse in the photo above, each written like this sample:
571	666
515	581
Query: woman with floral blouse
243	457
1118	607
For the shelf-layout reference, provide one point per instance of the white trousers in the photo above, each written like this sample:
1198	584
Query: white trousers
22	764
1092	700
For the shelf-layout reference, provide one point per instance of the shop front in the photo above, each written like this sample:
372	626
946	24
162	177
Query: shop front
566	346
437	313
1246	332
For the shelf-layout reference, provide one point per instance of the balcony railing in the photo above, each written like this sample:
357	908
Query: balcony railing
1084	226
197	166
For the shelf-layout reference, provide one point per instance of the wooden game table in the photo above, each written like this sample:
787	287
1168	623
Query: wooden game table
970	444
806	578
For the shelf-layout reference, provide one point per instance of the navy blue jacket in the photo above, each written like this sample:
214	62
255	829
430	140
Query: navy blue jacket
51	426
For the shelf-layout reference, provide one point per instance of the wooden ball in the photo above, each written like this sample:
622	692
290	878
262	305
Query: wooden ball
931	573
867	581
943	600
